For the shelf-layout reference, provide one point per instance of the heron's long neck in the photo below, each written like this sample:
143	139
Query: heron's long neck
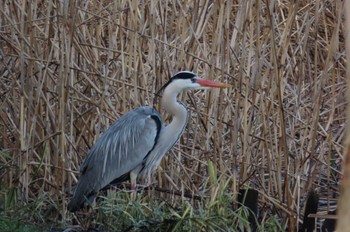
177	110
171	133
173	130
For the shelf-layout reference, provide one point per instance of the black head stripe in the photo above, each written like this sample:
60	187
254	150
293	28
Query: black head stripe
183	75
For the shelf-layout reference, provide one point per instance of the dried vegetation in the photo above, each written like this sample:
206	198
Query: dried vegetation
70	68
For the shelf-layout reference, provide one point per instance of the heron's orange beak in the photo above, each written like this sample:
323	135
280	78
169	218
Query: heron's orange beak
215	84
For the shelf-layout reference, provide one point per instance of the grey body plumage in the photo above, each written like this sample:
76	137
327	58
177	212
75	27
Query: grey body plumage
136	143
115	153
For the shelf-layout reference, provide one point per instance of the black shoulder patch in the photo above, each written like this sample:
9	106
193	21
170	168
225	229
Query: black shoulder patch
159	126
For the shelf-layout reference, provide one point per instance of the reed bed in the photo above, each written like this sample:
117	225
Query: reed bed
71	68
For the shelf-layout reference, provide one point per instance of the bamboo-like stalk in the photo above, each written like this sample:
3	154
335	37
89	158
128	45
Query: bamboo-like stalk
344	211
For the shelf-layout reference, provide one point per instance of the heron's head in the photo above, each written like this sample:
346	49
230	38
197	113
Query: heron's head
186	80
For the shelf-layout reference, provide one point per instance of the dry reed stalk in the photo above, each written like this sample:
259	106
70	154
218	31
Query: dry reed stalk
69	69
343	212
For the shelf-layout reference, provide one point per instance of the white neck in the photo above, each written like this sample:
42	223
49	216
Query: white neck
178	112
169	101
171	133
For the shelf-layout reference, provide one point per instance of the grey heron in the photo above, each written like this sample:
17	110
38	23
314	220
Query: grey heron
135	144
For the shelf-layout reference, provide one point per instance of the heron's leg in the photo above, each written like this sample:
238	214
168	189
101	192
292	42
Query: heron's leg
133	177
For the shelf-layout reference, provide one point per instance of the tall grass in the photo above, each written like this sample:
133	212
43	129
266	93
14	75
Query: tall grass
71	68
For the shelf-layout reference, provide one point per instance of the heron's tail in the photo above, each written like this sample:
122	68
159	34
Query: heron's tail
83	195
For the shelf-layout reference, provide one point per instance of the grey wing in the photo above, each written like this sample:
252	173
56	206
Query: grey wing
122	148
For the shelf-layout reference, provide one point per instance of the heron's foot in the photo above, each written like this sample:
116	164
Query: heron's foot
132	187
136	187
